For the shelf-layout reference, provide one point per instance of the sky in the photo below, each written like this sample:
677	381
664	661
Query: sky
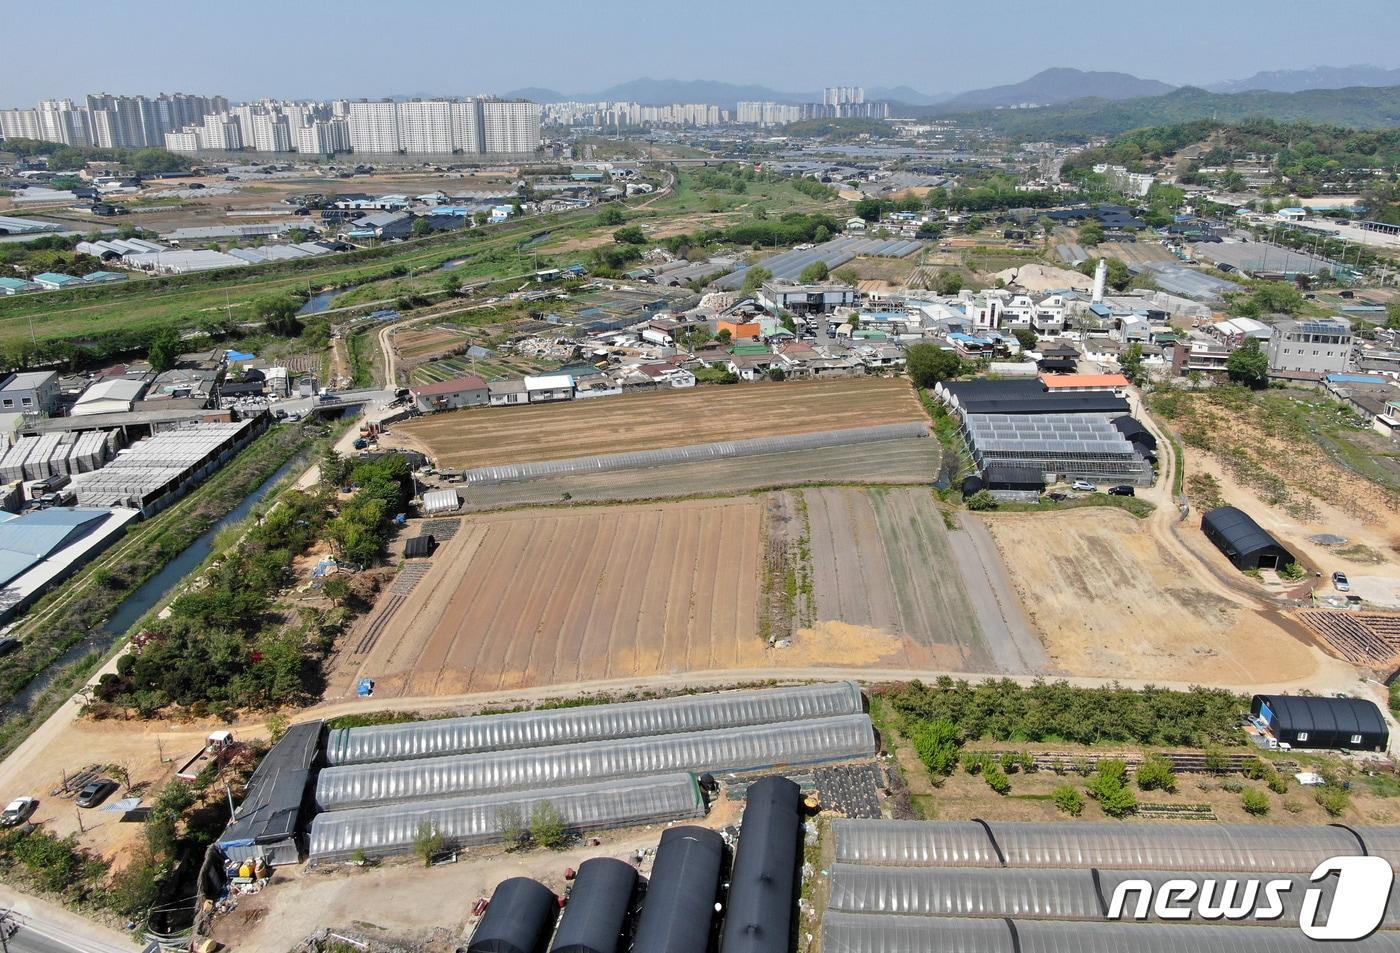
354	48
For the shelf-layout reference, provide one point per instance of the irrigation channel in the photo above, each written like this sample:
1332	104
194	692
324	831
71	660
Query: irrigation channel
322	301
149	594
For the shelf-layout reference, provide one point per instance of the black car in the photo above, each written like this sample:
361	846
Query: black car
95	792
1121	489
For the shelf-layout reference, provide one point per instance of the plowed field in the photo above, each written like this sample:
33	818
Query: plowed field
487	436
554	597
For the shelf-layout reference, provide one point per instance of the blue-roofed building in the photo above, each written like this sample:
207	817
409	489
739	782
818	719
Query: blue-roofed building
43	547
104	277
53	281
14	286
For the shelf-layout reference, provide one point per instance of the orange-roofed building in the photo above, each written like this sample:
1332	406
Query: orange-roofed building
1088	383
740	330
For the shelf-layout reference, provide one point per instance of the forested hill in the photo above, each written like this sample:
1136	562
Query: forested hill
1359	107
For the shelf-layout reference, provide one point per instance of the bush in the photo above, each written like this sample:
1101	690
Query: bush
1255	802
981	502
996	778
1068	799
1155	774
1109	786
1278	783
973	762
936	743
1014	761
428	842
1333	798
547	827
512	825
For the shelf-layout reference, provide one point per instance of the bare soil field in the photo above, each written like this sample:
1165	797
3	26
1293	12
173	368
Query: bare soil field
910	460
1111	600
562	596
883	571
498	435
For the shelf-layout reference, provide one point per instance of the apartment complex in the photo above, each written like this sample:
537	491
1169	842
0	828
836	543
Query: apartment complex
776	114
621	114
188	124
107	121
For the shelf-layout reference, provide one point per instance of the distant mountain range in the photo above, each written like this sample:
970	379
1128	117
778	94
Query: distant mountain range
1059	85
1316	77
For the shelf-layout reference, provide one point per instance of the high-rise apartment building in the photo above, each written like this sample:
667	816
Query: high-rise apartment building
425	126
509	125
374	127
842	95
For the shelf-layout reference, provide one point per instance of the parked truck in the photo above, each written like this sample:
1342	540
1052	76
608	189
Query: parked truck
216	750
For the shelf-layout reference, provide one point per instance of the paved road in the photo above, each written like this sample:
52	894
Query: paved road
44	927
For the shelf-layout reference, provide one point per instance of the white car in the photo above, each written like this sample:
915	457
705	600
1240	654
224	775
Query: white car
1083	485
18	811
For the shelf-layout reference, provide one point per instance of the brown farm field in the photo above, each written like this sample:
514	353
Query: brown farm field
826	577
490	436
1113	599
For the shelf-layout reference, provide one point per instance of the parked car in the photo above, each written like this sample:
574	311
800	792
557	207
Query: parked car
1340	583
18	811
1083	485
1121	489
95	792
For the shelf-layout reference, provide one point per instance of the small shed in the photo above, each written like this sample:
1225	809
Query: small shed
1009	477
441	501
518	919
1312	721
1133	429
420	547
1243	541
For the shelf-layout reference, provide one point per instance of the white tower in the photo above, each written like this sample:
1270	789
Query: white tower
1100	276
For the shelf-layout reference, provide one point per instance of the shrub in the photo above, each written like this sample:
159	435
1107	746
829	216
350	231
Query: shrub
1233	785
1254	769
981	502
1215	760
1255	802
996	778
936	743
1014	761
512	825
1068	799
1333	798
1292	806
1155	774
1278	783
973	762
547	827
1109	786
428	842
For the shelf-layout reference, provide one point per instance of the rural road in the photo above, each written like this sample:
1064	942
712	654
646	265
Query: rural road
44	927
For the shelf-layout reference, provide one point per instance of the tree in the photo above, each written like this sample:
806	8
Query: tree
336	589
278	315
1131	362
929	364
164	349
1025	337
981	502
1392	316
822	234
512	825
814	273
480	218
724	336
1109	787
630	235
611	216
754	279
847	276
547	827
1248	364
277	725
428	842
421	227
1091	233
948	282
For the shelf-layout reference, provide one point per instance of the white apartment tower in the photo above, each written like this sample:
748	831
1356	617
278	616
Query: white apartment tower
374	127
426	126
509	126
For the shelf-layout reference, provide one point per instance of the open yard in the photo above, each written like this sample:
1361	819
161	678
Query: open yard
497	435
1112	600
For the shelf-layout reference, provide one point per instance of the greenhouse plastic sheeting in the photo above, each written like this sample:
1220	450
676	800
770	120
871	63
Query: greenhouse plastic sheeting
531	729
914	843
640	459
1382	842
861	933
731	749
391	829
1038	893
1123	846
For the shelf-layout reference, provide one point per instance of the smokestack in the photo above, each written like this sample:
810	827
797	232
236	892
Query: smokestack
1100	277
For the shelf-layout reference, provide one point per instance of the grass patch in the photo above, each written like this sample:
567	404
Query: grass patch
1130	504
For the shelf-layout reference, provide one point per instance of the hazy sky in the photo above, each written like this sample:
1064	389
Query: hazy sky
350	48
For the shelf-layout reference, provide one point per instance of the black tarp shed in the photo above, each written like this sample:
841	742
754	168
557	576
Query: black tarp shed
596	915
517	920
266	823
679	909
1314	721
420	546
1132	428
1243	541
762	890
